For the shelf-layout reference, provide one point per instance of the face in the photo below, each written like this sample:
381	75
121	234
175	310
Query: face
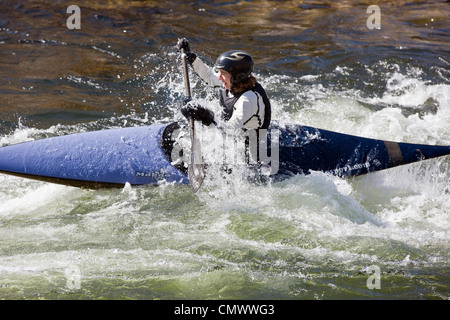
225	77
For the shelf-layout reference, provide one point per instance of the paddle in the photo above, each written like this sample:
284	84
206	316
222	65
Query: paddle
196	172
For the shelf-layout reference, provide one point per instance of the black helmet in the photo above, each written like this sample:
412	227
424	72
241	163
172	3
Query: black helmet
238	63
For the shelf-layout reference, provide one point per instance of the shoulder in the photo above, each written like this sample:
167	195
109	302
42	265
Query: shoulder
247	102
249	96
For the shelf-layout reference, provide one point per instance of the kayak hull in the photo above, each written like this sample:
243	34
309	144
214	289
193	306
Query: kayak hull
107	158
115	157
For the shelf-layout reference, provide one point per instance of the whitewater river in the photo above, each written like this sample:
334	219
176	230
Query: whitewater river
385	235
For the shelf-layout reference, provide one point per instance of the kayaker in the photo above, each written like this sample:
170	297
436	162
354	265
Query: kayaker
244	102
245	113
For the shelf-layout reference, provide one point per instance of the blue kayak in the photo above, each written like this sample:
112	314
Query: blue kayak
142	156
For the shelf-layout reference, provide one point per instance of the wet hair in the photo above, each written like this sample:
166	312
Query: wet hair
244	85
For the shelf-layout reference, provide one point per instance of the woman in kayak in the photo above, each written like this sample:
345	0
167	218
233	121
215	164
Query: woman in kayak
244	112
244	102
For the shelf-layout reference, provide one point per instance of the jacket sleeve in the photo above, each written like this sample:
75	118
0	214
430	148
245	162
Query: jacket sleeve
206	73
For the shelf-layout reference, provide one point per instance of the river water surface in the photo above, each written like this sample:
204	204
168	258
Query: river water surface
380	236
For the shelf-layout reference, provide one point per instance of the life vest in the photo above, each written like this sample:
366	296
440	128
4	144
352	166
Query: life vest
227	103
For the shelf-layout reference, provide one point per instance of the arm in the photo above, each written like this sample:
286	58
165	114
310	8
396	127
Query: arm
206	73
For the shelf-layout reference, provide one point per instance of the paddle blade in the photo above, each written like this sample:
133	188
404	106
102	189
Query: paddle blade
196	174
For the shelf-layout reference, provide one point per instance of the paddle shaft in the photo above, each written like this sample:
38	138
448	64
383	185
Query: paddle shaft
195	171
187	85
